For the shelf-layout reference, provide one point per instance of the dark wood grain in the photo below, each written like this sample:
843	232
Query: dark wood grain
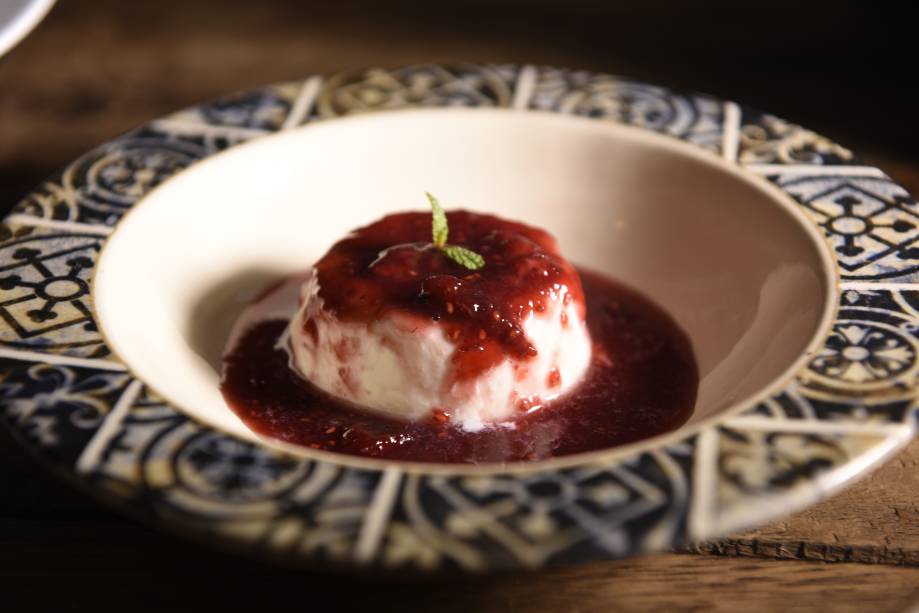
97	68
108	565
876	521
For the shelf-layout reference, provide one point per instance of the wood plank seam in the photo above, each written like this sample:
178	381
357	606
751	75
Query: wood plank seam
804	551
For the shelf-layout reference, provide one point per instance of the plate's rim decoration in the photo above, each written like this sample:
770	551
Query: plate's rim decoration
78	407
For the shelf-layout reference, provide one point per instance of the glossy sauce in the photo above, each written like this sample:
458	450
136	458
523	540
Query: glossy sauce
390	265
642	382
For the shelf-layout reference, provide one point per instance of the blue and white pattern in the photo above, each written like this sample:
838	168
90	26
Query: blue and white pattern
57	407
767	139
45	301
694	118
871	222
851	405
416	87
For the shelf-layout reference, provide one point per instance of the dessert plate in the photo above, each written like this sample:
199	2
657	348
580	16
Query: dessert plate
791	265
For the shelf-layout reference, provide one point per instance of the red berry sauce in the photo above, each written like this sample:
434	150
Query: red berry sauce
391	265
642	380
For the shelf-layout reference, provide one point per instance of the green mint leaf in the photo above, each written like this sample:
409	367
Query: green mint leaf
464	257
439	232
439	228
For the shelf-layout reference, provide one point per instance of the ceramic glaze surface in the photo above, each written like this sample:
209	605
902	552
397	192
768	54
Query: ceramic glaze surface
791	265
599	189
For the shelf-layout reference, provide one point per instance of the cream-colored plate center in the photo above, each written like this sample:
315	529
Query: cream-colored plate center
726	254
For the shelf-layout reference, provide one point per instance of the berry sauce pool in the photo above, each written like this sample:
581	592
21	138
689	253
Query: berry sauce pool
642	382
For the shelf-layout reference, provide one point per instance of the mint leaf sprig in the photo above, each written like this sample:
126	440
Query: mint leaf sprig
439	233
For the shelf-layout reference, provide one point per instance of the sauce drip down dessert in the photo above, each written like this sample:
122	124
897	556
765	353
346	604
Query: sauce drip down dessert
400	350
407	332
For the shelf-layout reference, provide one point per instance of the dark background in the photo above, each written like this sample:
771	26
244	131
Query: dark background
97	68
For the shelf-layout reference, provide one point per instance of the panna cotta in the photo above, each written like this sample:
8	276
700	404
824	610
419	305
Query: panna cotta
463	340
389	322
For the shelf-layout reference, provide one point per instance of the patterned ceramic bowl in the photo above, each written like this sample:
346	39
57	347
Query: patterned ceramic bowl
790	264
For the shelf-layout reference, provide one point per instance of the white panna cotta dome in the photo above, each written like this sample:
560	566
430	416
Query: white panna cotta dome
389	323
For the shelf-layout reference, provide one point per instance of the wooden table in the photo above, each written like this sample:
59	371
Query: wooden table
96	69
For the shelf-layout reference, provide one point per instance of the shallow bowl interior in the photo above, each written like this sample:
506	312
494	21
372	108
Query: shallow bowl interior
728	256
